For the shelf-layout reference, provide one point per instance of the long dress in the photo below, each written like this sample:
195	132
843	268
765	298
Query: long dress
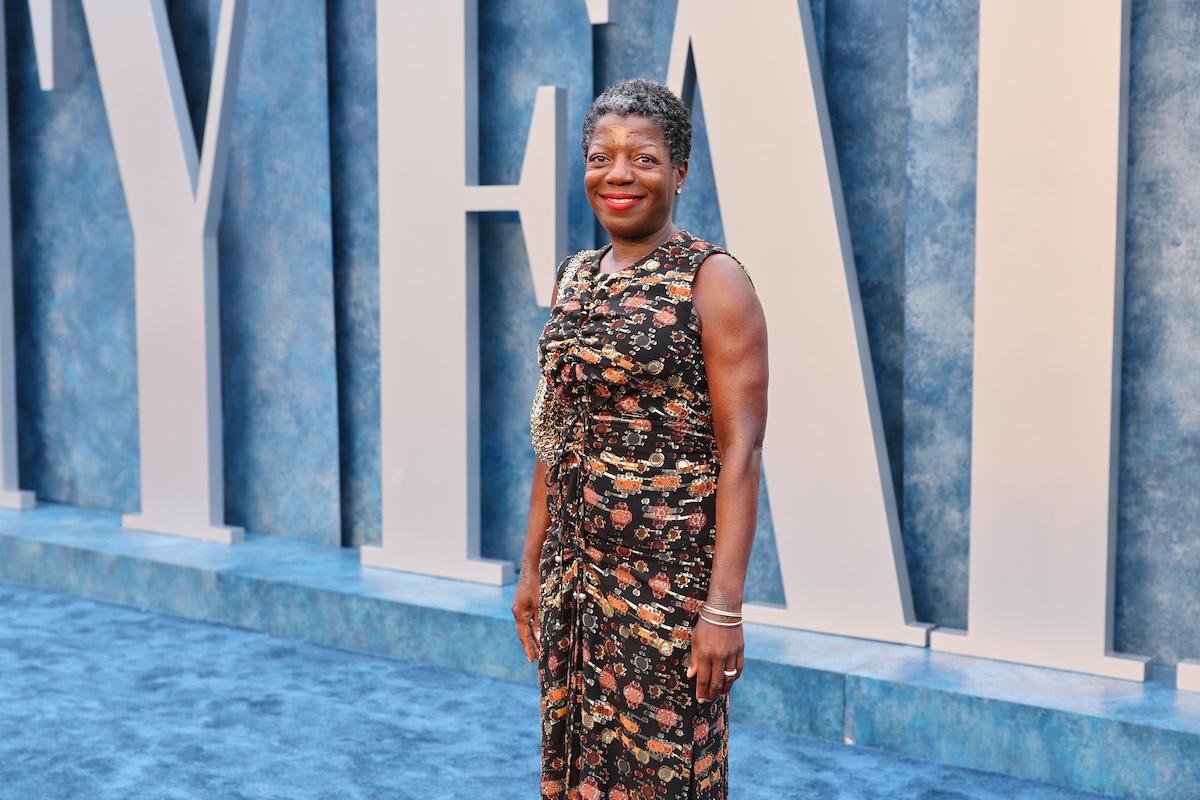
623	422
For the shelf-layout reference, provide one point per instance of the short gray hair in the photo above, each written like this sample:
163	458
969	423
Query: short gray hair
644	98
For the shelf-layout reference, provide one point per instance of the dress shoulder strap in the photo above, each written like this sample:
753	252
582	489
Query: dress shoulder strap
570	265
562	265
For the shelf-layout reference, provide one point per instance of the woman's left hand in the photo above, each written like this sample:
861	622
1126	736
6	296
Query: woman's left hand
715	649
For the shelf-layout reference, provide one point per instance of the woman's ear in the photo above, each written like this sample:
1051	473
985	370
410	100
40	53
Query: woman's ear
680	173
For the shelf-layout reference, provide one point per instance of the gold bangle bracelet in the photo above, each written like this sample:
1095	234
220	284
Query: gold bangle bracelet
723	624
707	607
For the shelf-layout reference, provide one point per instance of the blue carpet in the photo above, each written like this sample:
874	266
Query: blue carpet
104	702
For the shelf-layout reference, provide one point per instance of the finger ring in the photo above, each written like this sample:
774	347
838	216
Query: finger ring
730	671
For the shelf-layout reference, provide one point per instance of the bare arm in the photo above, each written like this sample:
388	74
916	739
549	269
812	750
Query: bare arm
734	342
539	521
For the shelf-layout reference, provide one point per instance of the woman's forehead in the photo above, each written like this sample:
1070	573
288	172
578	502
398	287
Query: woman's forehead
611	128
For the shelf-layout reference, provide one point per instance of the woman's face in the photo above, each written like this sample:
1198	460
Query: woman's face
628	176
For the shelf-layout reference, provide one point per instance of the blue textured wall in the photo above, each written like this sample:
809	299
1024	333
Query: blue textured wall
299	272
356	261
1158	552
72	282
939	295
279	364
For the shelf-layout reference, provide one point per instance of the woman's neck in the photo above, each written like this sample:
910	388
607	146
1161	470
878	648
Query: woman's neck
626	251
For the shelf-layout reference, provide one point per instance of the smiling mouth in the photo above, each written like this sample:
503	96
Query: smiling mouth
619	202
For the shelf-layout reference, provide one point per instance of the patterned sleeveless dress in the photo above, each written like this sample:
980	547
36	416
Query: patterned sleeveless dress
622	420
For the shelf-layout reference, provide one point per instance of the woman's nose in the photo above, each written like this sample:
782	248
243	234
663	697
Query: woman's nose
621	170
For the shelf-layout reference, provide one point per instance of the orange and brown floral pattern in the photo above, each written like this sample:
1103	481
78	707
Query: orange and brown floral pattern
631	492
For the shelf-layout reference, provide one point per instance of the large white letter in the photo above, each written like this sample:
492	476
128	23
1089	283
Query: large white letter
1049	258
428	278
174	201
1187	676
837	527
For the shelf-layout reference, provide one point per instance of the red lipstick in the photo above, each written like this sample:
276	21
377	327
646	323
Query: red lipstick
620	202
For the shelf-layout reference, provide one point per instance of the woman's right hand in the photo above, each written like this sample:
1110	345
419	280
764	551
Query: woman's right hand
525	612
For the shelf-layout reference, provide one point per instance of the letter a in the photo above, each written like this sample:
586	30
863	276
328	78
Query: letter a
837	528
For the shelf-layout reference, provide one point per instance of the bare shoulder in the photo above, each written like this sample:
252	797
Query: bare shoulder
723	287
723	267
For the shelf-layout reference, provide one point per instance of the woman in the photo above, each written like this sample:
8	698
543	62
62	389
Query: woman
648	424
